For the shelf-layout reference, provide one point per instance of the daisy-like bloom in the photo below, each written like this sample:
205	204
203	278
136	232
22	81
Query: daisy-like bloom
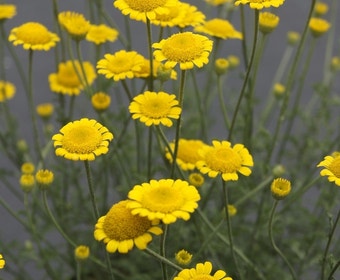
320	8
2	262
280	188
120	65
221	158
268	22
81	252
120	230
83	139
44	178
75	24
221	66
183	257
219	28
217	2
187	153
27	168
232	210
318	26
192	16
100	101
102	33
67	81
196	179
202	272
27	182
45	110
174	17
186	49
7	11
154	108
260	4
33	36
165	199
7	91
143	9
331	164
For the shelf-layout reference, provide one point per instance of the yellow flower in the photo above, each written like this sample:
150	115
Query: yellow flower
100	101
175	15
260	4
219	28
33	36
221	66
231	210
196	179
7	11
75	24
202	272
81	252
164	199
221	158
279	90
7	91
268	22
331	169
183	257
102	33
154	108
280	188
27	182
67	81
192	16
121	231
2	262
44	178
164	73
45	110
320	8
27	168
187	153
120	65
318	26
293	37
83	139
143	9
217	2
186	49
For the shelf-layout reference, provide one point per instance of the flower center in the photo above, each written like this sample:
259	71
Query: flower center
145	5
334	167
119	65
33	33
68	77
82	139
155	108
223	159
120	224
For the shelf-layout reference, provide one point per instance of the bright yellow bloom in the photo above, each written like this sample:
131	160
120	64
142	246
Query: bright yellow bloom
33	36
121	231
280	188
175	15
320	8
45	110
7	11
75	24
164	199
159	71
183	257
186	49
100	101
331	169
221	158
260	4
44	178
318	26
81	252
154	108
27	182
83	139
202	272
268	22
232	210
220	28
27	168
192	16
102	33
67	81
218	2
196	179
2	262
7	91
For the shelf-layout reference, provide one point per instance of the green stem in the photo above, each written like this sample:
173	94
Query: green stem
222	102
162	259
149	154
149	35
91	190
162	251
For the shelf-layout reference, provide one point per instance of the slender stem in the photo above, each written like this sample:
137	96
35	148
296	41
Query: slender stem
163	253
162	259
91	190
78	270
148	26
149	153
222	102
335	268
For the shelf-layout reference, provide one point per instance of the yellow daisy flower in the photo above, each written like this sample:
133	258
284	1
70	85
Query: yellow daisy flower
81	252
27	168
7	91
143	9
120	65
280	188
186	49
318	26
268	22
165	199
83	139
219	28
202	271
221	158
102	33
154	108
174	17
44	178
260	4
45	110
75	24
187	153
7	11
331	169
2	262
218	2
33	36
192	16
100	101
121	231
66	80
183	257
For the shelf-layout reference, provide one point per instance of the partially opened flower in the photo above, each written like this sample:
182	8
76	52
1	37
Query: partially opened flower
45	110
260	4
84	139
220	28
7	11
331	169
202	272
186	49
121	231
268	22
222	158
154	108
320	8
170	19
44	178
7	91
81	252
100	101
33	36
101	33
183	257
280	188
165	199
318	26
75	24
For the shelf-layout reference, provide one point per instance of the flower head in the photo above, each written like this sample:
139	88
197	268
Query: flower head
7	11
186	49
219	28
293	37
154	108
27	182
202	272
120	65
2	262
75	24
260	4
67	80
196	179
221	66
192	16
318	26
120	230
27	168
159	71
83	139
44	178
165	199
221	158
7	91
268	22
280	188
183	257
45	110
102	33
320	8
335	63
331	169
100	101
81	252
33	36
